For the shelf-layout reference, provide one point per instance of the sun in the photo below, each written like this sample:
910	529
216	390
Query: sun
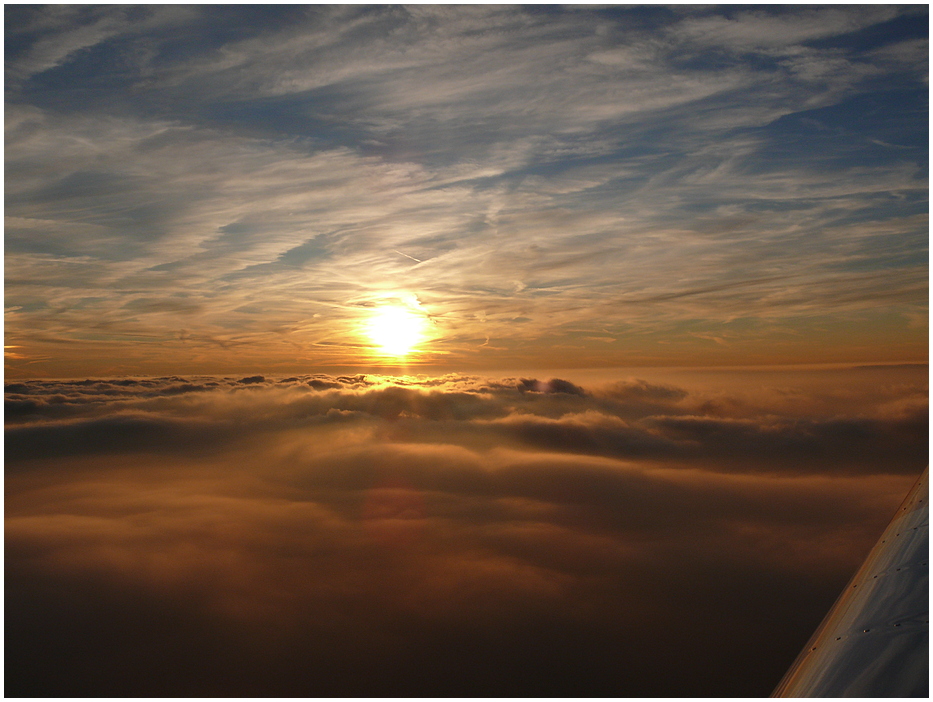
395	330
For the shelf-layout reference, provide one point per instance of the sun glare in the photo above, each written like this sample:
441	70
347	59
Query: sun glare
395	330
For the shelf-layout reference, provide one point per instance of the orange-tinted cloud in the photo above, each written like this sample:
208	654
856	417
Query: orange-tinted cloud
449	536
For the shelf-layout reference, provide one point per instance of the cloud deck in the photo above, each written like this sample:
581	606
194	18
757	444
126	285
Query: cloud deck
367	535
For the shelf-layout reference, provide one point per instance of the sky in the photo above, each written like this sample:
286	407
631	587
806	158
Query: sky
454	350
225	188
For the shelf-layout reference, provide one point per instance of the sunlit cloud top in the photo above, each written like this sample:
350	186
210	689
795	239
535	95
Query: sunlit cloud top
202	188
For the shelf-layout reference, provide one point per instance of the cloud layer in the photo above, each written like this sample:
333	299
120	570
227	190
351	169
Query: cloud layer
456	535
205	206
239	187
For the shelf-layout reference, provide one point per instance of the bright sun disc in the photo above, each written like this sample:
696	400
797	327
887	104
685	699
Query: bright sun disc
395	330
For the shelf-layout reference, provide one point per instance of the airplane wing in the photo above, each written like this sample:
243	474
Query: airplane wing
875	640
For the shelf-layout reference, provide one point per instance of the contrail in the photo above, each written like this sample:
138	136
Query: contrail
407	256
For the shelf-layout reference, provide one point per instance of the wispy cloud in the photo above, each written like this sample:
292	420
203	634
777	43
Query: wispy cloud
631	170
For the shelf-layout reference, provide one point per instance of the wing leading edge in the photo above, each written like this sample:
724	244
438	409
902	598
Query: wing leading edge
875	640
